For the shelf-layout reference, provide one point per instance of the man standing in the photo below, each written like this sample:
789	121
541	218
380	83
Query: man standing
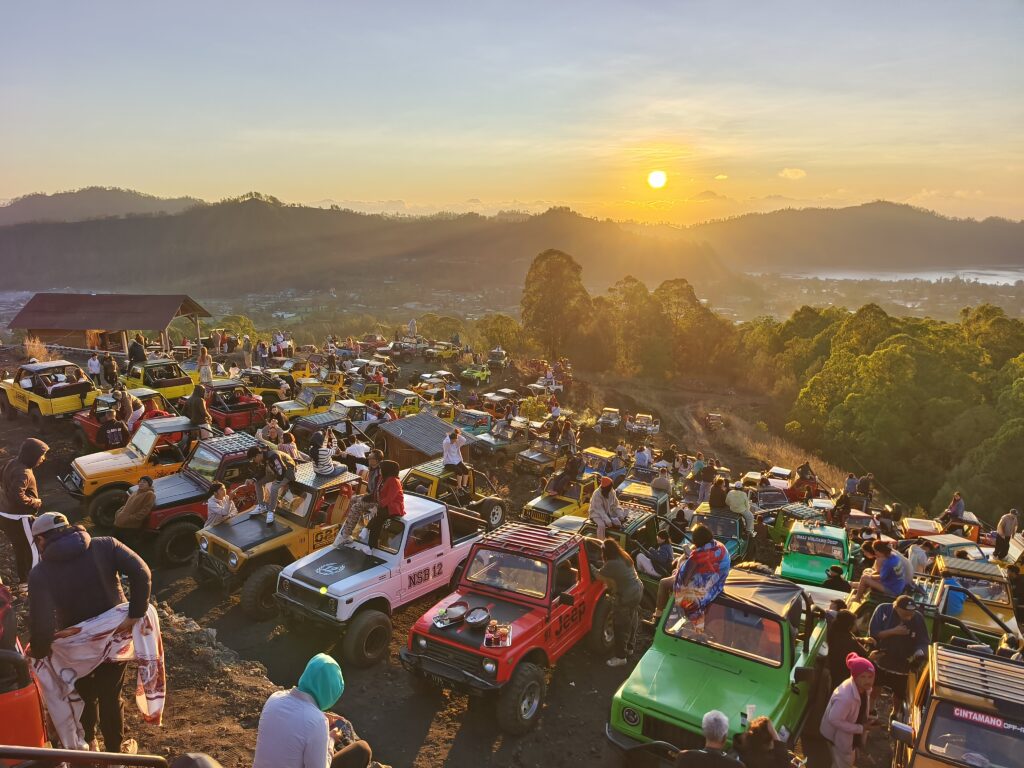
20	503
112	432
69	555
246	351
1005	529
136	350
109	367
94	369
451	451
715	726
901	640
278	470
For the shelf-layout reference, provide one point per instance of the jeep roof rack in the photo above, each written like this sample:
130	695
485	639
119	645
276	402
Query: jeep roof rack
239	442
978	673
532	540
305	476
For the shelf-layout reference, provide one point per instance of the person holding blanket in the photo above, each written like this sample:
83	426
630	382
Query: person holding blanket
701	579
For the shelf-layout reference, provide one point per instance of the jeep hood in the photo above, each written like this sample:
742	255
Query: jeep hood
493	442
808	569
549	504
108	462
535	456
655	685
290	406
340	570
247	531
177	489
526	621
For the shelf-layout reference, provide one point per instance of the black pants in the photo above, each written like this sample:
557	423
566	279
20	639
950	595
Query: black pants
355	755
375	526
1002	548
15	531
101	693
624	623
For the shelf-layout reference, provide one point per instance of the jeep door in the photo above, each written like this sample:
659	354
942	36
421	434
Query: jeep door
568	622
422	565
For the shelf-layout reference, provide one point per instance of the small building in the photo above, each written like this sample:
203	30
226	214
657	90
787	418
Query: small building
103	320
415	439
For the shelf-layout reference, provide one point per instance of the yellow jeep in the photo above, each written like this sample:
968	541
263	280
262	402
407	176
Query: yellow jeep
572	499
246	552
102	480
165	376
364	391
433	480
403	401
49	390
310	400
965	709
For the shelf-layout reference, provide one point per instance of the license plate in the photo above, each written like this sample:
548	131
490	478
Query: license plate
437	680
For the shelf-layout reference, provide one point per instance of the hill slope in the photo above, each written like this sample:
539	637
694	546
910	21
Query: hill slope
89	203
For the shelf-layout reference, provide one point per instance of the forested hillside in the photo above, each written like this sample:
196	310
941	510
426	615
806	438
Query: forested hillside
89	203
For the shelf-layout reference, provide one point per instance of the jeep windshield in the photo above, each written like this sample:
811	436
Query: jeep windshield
142	442
817	546
983	589
978	739
722	527
502	431
306	396
731	629
464	419
509	572
293	504
543	446
204	463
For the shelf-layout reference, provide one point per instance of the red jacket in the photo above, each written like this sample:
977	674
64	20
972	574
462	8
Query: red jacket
391	497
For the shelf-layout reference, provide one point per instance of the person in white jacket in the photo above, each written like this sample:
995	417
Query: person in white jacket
845	721
605	511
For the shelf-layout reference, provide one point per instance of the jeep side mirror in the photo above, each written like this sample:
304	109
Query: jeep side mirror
804	675
566	599
902	732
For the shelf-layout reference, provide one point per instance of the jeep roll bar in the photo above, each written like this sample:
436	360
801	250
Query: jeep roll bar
37	757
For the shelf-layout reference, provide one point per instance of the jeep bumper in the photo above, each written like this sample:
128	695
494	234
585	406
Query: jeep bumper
446	675
664	752
69	485
294	609
217	570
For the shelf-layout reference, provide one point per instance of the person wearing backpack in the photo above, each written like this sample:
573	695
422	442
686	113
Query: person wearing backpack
19	504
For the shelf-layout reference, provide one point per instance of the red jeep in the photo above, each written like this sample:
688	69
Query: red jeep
87	422
232	405
180	508
526	596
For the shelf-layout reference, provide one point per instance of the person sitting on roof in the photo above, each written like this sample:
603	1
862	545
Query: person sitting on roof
112	432
642	458
888	577
701	579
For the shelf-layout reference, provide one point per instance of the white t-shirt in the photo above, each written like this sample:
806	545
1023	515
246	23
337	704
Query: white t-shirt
918	558
452	452
293	733
93	366
357	449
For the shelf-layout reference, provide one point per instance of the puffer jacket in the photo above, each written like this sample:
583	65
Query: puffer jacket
20	494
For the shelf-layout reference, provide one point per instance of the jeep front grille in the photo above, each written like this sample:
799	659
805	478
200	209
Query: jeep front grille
218	551
661	730
457	657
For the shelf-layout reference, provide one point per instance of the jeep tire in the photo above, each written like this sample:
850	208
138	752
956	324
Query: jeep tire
176	543
367	638
81	442
601	637
521	700
257	595
37	418
495	514
104	506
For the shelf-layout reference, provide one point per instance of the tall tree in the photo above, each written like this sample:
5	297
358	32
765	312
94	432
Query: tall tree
498	329
554	301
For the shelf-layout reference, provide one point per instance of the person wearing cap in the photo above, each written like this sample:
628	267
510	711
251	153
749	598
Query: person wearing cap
20	502
112	432
1005	529
94	566
296	730
605	511
901	639
846	717
738	501
834	580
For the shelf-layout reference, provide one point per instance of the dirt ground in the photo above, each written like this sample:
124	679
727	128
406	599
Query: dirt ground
214	698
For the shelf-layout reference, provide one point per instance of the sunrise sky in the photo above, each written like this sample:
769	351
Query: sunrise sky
479	106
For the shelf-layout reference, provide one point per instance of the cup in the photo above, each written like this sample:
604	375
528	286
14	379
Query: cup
751	710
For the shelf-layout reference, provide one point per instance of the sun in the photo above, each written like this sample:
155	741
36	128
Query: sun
657	179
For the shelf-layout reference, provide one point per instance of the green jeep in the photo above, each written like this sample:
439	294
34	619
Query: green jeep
780	520
762	652
727	527
812	548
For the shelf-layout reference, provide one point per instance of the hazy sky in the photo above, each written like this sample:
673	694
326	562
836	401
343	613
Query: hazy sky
745	105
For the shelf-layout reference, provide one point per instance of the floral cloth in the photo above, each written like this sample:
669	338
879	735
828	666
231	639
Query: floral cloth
700	580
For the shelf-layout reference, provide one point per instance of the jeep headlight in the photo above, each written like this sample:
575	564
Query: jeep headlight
421	642
630	717
490	666
204	544
233	559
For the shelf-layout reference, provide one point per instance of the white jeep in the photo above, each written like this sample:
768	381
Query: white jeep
355	590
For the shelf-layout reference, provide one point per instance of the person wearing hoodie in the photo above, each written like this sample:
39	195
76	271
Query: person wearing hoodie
297	731
845	721
604	508
136	509
20	502
69	555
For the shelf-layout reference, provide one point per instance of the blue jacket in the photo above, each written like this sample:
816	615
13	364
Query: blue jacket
76	579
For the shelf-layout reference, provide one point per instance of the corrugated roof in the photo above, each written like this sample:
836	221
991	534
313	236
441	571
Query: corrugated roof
424	432
104	311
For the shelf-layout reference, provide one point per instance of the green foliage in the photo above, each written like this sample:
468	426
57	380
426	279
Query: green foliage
239	324
534	409
439	327
498	329
554	301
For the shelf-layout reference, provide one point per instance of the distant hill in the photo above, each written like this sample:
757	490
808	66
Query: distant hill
256	243
878	236
89	203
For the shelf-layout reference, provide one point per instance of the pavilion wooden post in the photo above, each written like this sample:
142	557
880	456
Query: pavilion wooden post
199	333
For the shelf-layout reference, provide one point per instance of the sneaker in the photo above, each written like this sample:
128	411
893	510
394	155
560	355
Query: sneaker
129	747
616	662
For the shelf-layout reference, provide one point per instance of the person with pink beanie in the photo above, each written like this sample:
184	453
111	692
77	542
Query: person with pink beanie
846	721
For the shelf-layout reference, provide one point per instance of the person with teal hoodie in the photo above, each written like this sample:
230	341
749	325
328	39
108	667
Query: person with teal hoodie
297	731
